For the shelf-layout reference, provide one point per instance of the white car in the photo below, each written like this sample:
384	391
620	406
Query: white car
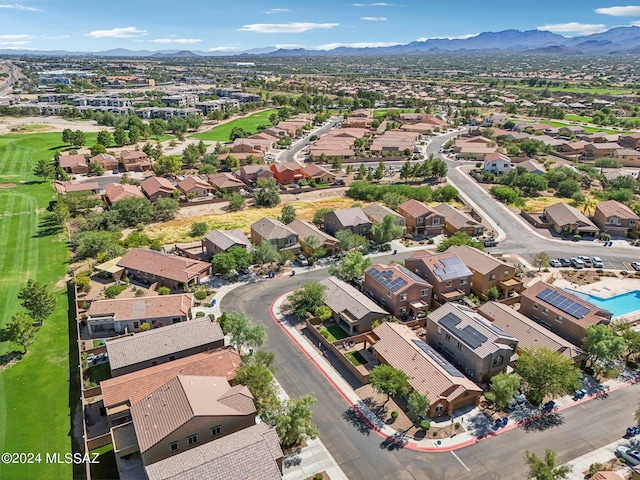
555	263
631	456
597	262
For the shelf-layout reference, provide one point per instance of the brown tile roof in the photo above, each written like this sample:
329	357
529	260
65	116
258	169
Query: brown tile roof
562	214
132	387
70	161
315	171
385	275
272	229
351	217
133	154
429	373
477	260
606	476
305	229
172	267
455	217
114	192
158	342
154	185
104	158
529	333
225	180
249	454
68	187
282	167
443	270
189	183
612	208
415	208
340	297
377	212
142	308
183	398
225	239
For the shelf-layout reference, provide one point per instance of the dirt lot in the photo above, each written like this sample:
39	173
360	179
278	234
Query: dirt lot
46	124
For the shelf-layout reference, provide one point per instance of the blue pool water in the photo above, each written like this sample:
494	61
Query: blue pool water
618	305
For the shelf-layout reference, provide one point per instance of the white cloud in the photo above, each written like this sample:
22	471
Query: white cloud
374	19
628	11
331	46
377	4
459	37
119	32
273	11
574	27
18	6
224	49
15	37
291	27
23	42
177	40
288	46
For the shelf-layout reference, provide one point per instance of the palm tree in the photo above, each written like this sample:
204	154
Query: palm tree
589	205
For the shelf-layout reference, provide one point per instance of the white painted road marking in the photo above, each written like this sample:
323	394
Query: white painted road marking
461	462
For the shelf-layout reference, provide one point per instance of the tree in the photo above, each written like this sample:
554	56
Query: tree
20	330
38	300
134	210
352	266
379	173
44	169
241	256
503	387
568	188
545	468
223	263
603	345
541	260
91	244
337	164
386	230
545	372
97	149
158	126
292	421
134	134
198	229
406	171
258	378
267	193
312	248
67	135
318	216
349	240
120	137
242	333
167	165
166	209
266	252
104	138
236	201
194	122
386	379
417	406
445	194
393	200
307	298
492	293
95	169
288	214
460	238
77	138
362	172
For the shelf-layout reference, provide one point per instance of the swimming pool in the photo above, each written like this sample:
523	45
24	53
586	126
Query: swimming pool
618	305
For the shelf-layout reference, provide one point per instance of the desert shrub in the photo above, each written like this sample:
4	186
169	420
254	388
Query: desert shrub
425	425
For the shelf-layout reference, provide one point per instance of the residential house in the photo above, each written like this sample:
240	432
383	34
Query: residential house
599	150
172	271
157	187
250	174
138	351
184	413
615	218
69	187
429	373
114	192
529	333
287	173
196	187
119	393
124	315
479	348
226	182
568	220
631	140
627	157
247	149
218	241
276	232
376	213
350	307
561	312
353	219
449	276
458	221
74	164
421	219
488	271
315	172
106	160
572	148
531	166
251	453
305	229
135	161
497	163
402	292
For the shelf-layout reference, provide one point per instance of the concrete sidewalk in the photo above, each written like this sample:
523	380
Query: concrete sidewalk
600	455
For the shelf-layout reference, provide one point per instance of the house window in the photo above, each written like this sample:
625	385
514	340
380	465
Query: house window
492	276
449	283
173	446
545	311
439	331
403	310
498	360
505	273
535	306
136	324
459	346
559	319
435	221
389	293
291	240
215	431
424	292
363	229
463	281
403	297
447	336
419	220
192	439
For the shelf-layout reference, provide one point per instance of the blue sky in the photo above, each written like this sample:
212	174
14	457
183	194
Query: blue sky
93	25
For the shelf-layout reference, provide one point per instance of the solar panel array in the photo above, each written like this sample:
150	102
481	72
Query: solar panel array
563	302
452	267
410	274
439	359
385	278
468	334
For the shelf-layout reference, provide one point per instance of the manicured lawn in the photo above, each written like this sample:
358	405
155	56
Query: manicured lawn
36	406
97	373
608	131
383	111
578	118
356	358
106	469
334	333
249	123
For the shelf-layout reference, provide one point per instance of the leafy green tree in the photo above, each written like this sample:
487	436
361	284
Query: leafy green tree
120	137
95	169
77	138
236	201
406	171
393	200
241	256
352	266
568	188
292	421
603	345
164	291
104	138
323	313
20	330
60	213
167	165
318	216
337	164
545	372
223	263
158	127
388	380
44	169
307	298
266	252
91	244
312	248
67	135
166	209
504	194
503	387
258	378
417	406
492	293
362	172
545	468
199	229
133	211
134	134
541	260
386	230
460	238
194	122
97	149
288	214
445	194
38	300
379	173
242	333
267	193
350	241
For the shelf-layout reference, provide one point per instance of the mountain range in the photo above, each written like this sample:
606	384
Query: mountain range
616	41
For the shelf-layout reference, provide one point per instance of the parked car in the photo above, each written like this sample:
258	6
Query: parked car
631	456
636	266
565	262
302	260
597	262
490	243
555	263
586	260
576	263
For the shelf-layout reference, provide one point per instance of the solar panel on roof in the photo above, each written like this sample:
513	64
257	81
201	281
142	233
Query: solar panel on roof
385	279
439	359
468	334
453	268
563	302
